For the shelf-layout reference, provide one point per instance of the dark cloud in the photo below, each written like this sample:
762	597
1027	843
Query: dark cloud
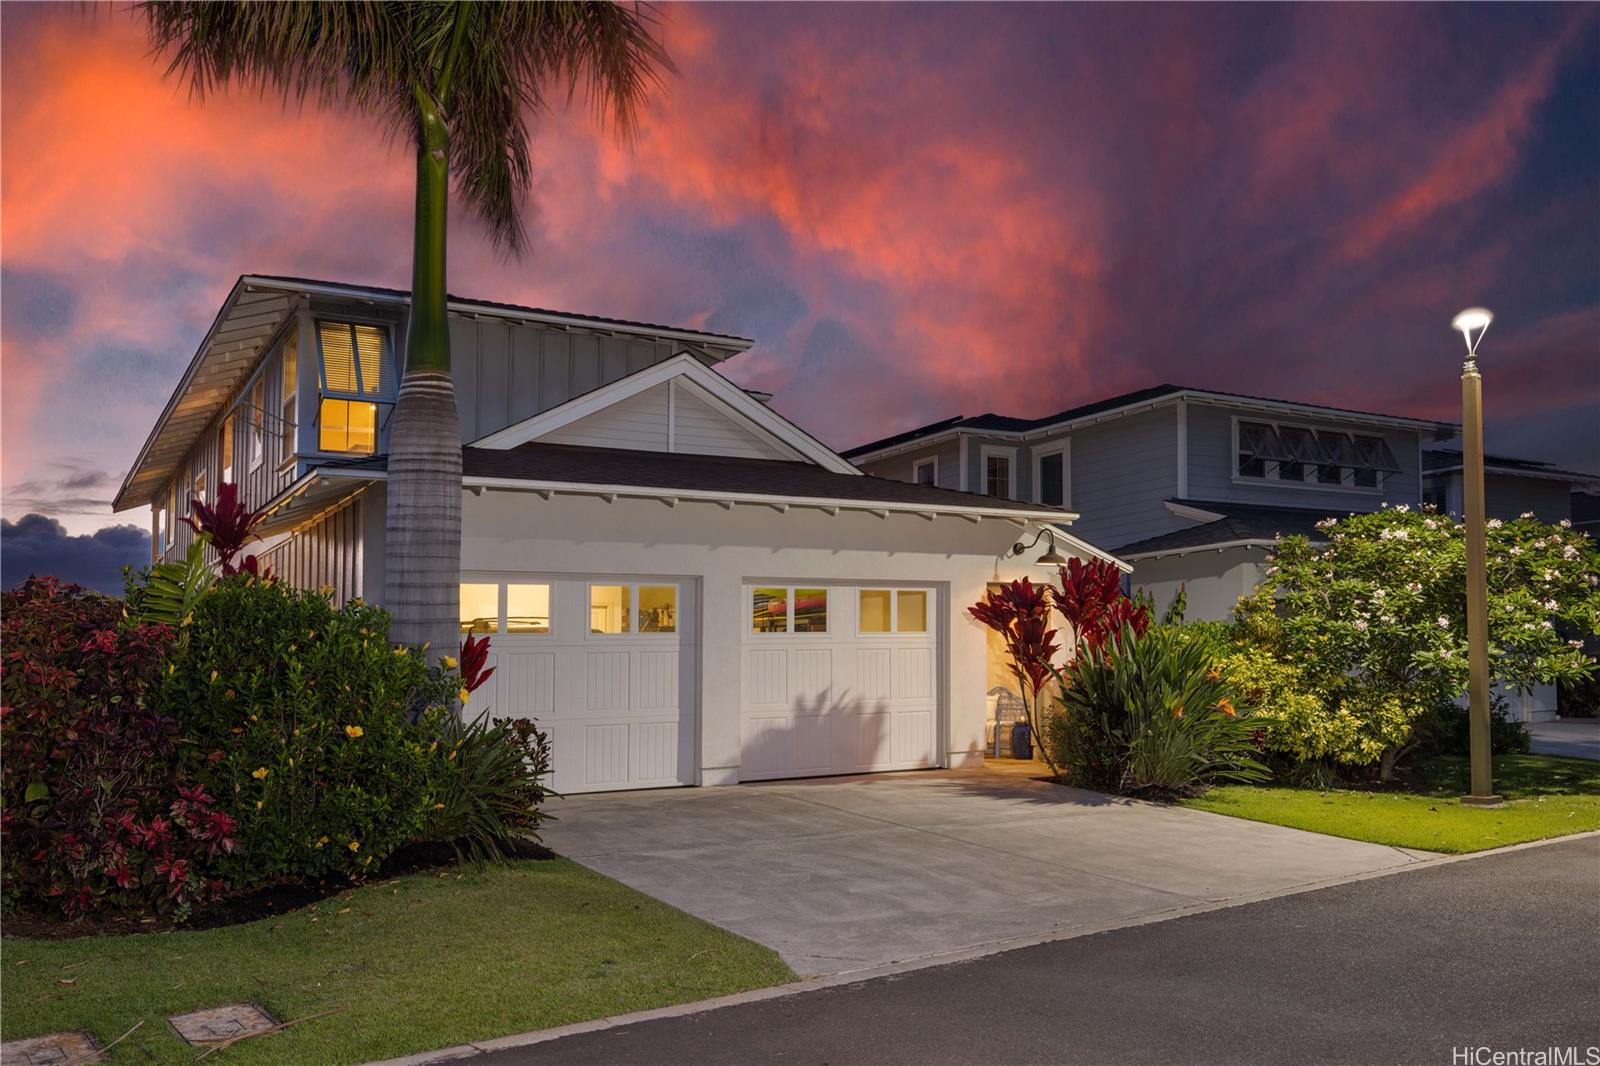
39	545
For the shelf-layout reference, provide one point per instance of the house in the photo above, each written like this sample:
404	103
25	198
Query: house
682	586
1190	486
1511	487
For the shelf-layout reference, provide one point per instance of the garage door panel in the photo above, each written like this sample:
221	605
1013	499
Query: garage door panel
874	669
657	679
654	751
810	675
766	745
609	688
913	674
525	680
605	754
913	733
766	677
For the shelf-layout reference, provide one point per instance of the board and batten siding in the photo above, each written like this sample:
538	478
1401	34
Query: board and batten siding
328	553
1212	459
508	371
668	417
1123	472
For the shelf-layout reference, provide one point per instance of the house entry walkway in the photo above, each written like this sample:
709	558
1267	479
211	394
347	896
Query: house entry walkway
841	874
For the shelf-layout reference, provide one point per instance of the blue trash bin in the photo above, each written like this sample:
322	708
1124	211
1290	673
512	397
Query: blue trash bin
1021	741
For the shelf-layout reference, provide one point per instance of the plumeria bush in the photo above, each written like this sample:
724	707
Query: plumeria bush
95	819
1372	624
304	721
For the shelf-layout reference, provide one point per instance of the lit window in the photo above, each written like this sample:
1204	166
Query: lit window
356	361
810	610
609	607
200	488
875	608
658	608
997	476
925	472
911	609
769	611
225	449
258	440
172	513
527	608
347	426
480	608
291	378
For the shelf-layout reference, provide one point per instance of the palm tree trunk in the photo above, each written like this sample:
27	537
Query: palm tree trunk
423	521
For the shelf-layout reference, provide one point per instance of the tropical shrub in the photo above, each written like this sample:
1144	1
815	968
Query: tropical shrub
1020	613
1151	715
94	817
1450	731
492	786
1090	598
303	721
1374	619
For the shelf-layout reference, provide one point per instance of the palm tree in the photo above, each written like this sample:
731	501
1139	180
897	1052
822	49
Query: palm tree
460	79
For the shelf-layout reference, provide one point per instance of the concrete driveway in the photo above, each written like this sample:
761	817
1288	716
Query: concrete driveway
841	874
1576	738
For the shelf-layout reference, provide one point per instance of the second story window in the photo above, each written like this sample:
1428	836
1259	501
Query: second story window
258	417
1052	475
997	476
225	449
1304	456
356	376
925	472
288	427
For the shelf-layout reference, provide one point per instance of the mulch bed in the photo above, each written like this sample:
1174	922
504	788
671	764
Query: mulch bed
266	902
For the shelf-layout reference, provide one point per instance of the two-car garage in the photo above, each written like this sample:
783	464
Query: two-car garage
834	679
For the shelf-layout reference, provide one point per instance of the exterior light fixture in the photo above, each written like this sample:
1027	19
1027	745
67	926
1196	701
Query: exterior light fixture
1475	320
1052	557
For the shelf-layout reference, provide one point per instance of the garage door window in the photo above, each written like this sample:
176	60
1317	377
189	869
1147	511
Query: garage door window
621	609
527	608
480	608
789	610
658	608
893	611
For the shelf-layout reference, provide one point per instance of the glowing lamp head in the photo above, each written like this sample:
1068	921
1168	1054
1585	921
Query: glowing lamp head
1051	558
1471	320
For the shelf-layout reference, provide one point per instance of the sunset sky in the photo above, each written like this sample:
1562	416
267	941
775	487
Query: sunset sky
916	211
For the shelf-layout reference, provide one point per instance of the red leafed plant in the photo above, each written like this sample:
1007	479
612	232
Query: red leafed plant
1020	613
1091	599
474	655
230	525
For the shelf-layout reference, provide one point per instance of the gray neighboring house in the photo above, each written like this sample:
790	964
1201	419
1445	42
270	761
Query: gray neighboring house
1511	486
1191	486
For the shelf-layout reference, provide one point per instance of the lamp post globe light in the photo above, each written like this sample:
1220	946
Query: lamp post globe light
1472	324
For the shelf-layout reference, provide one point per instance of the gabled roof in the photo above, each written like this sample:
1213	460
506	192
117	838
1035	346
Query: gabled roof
252	313
708	385
1234	525
1005	425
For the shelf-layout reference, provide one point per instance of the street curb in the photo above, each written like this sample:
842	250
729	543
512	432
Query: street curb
1414	861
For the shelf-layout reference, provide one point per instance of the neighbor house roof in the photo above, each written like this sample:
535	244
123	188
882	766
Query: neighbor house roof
1235	525
1448	461
1005	425
253	313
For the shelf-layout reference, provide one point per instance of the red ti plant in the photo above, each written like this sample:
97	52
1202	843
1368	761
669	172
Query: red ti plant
1020	613
230	526
474	656
1091	599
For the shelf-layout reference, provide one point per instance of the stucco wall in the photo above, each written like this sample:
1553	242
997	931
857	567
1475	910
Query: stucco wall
1213	580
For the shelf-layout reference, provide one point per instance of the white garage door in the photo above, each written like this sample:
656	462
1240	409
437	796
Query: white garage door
838	680
605	665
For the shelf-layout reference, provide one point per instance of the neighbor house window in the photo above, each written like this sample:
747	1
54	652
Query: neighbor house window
356	374
997	475
893	611
291	381
925	472
200	488
527	608
480	608
1052	487
171	512
1300	454
789	610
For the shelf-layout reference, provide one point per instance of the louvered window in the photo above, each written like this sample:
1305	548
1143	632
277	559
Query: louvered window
1299	454
291	381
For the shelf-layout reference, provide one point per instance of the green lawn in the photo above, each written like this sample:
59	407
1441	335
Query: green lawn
1547	797
421	962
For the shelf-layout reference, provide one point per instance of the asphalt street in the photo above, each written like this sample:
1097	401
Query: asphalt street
1501	952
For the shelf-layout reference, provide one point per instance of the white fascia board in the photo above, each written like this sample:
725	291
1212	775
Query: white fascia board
762	499
1571	477
1196	549
469	307
1311	410
707	383
1083	547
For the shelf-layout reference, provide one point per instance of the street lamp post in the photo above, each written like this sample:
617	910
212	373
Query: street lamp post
1472	324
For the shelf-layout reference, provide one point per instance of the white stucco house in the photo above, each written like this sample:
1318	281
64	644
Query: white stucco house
682	586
